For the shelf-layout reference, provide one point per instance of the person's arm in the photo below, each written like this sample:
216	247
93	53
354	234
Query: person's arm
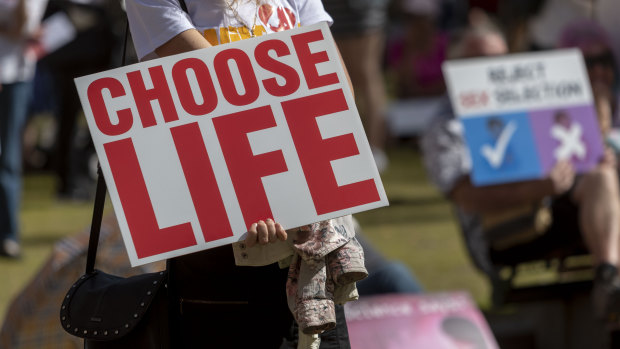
502	196
15	28
346	72
264	232
186	41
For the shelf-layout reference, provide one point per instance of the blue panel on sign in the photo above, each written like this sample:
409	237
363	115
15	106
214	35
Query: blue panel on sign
502	148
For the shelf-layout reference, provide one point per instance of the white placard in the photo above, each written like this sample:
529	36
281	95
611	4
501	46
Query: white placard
195	147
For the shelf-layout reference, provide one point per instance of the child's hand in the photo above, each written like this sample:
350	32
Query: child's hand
264	232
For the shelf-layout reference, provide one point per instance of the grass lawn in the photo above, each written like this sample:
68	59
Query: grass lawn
44	220
417	228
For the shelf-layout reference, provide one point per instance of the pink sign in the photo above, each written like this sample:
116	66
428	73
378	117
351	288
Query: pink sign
402	321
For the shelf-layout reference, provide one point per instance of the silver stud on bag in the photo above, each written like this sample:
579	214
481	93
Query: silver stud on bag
116	332
135	316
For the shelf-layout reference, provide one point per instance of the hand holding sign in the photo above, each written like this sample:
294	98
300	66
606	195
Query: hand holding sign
609	158
562	177
264	232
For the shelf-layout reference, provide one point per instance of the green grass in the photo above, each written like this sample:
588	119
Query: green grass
417	228
44	220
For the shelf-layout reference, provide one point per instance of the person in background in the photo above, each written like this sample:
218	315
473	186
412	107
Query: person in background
19	26
585	205
359	31
593	41
415	57
73	149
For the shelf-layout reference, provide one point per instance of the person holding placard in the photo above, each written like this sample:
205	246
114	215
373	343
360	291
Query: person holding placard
258	316
585	204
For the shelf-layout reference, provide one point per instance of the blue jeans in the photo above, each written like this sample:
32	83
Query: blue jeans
14	102
392	277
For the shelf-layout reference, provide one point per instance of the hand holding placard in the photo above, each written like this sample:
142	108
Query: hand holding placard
562	177
264	232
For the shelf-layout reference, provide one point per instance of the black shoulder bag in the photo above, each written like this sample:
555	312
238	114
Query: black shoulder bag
110	311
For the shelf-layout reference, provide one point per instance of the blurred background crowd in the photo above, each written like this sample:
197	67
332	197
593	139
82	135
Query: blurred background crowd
394	51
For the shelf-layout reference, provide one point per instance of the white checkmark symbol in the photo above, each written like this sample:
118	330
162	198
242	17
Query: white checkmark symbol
495	156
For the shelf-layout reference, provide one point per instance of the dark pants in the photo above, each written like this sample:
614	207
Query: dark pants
88	53
337	338
14	101
220	305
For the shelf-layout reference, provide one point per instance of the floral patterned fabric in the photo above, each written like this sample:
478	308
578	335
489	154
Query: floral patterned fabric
325	258
326	262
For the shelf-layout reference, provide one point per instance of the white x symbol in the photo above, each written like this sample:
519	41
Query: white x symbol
570	142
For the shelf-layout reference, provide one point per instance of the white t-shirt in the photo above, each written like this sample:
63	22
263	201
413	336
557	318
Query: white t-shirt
16	63
154	22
